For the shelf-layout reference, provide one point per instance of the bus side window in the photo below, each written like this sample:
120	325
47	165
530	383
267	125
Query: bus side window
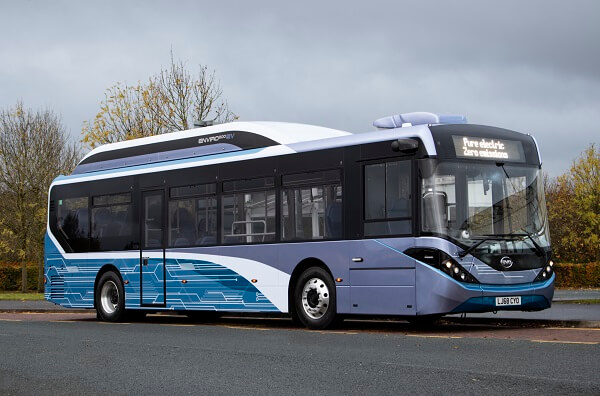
193	222
311	213
388	199
193	215
72	222
249	217
112	222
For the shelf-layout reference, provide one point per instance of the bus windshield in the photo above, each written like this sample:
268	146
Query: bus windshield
499	207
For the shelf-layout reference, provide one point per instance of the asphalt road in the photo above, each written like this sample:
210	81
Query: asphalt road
66	353
562	311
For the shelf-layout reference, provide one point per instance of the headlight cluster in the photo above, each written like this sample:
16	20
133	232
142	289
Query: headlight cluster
456	271
546	272
442	261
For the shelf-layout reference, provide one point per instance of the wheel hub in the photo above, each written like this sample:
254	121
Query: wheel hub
315	298
312	298
109	297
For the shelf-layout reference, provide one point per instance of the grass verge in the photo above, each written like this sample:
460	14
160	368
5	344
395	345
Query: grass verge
21	296
591	301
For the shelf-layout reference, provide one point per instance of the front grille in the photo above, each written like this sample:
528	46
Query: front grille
57	287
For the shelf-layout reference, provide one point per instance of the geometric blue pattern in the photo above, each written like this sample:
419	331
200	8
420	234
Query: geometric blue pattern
209	286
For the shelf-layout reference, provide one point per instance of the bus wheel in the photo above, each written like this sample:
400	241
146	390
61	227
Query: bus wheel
314	299
110	298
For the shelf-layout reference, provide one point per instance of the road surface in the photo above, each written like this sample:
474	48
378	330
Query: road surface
72	353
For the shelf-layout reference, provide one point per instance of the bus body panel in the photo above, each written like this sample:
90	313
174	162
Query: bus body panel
386	282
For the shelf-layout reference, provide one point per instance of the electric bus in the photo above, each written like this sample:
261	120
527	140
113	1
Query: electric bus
425	215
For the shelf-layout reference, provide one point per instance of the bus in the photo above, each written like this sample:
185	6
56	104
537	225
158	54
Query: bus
424	216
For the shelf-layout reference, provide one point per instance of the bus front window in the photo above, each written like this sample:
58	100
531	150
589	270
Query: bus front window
502	203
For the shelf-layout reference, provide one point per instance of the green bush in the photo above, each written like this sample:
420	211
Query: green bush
10	277
577	275
567	275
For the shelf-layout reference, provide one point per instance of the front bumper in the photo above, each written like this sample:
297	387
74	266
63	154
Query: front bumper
437	293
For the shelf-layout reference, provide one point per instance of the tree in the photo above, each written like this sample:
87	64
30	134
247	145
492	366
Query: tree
574	209
34	149
170	101
585	180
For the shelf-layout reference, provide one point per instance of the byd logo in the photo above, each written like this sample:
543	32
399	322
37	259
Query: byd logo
506	262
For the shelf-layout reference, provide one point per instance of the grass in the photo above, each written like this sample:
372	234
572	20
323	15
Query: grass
21	296
591	301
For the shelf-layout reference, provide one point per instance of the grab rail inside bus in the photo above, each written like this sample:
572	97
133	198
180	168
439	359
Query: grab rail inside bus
246	222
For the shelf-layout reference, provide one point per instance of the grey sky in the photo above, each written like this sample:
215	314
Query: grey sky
532	66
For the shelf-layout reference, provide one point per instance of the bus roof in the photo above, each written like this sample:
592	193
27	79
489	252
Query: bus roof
233	136
224	143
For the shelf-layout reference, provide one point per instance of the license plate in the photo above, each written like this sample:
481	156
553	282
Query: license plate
510	300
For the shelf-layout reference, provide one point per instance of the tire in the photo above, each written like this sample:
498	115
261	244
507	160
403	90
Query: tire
315	299
110	298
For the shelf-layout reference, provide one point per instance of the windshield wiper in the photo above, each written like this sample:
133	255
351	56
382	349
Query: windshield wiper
475	245
538	248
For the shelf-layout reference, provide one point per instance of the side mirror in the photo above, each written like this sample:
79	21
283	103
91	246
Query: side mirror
406	146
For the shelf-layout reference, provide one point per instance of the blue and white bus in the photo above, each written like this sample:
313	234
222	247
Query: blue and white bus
424	216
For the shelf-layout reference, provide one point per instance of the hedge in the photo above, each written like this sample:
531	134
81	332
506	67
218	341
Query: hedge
567	275
10	277
577	275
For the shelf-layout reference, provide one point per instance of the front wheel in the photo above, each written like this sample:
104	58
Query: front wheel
110	298
314	299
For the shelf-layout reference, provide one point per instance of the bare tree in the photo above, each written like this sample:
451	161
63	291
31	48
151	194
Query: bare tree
170	101
34	149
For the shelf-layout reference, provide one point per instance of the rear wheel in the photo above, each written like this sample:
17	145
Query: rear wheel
110	298
315	299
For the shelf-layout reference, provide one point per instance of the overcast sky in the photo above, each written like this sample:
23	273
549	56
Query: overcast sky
531	66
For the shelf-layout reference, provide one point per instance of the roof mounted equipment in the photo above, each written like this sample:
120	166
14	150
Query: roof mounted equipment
418	118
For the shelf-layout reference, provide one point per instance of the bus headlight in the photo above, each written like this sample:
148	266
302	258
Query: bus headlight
442	261
545	273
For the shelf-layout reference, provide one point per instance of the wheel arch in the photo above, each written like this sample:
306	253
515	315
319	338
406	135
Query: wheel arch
300	267
104	269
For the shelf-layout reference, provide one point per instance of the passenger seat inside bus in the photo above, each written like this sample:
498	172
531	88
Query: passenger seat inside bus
101	221
333	220
185	236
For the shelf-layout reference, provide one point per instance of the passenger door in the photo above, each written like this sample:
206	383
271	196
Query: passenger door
152	251
382	279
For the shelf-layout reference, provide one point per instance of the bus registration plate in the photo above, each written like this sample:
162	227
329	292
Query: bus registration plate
510	300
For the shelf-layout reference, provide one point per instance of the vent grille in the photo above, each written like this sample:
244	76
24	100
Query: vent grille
57	287
52	206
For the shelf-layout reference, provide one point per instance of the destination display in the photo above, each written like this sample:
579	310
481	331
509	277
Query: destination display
488	148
